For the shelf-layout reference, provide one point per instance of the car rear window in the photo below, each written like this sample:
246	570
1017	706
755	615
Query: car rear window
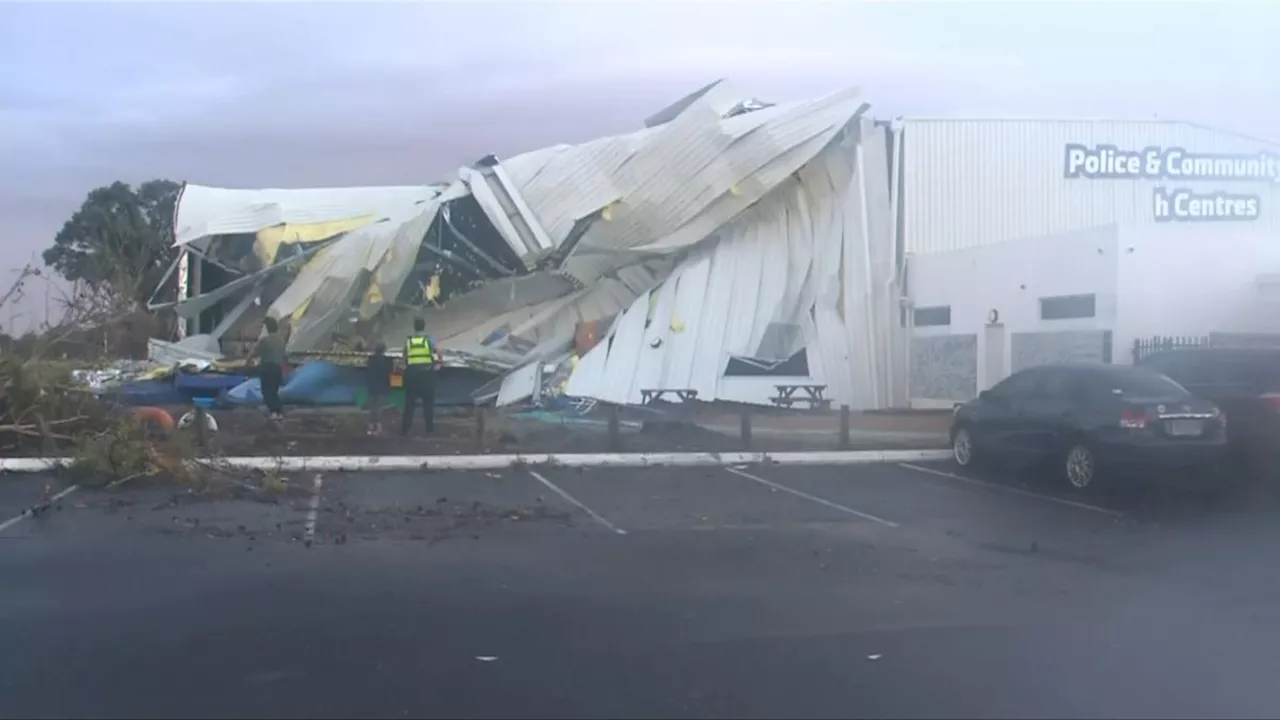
1143	383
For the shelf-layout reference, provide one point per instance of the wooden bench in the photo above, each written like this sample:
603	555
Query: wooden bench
653	395
812	395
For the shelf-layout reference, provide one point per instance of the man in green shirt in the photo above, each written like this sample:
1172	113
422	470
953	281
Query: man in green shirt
270	353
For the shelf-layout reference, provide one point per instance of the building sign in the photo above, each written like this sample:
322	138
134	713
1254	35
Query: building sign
1175	164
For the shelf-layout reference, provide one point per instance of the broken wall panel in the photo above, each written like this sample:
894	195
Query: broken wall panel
577	182
360	264
802	257
204	211
705	215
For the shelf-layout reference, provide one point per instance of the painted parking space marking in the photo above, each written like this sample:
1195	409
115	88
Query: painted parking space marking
29	512
313	510
812	498
1012	490
576	502
45	504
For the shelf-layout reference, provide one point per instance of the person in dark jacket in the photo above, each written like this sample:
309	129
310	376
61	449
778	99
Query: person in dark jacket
271	357
378	378
421	361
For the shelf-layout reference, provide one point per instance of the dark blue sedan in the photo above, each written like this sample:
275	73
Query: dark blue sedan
1091	420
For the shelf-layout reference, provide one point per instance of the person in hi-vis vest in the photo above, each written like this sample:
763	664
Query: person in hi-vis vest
421	361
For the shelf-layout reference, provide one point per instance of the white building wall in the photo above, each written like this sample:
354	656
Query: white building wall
1168	280
1011	278
970	183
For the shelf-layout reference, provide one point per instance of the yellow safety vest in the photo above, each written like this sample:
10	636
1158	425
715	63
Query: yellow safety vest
418	351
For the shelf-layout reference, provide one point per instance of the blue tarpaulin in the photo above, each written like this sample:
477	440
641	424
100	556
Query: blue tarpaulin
317	383
149	392
208	382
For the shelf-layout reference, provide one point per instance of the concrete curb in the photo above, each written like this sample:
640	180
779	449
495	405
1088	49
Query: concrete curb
857	434
497	462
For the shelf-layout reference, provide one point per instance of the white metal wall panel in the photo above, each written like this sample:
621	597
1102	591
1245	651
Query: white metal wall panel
203	211
671	186
691	296
518	385
575	183
653	342
709	349
843	355
886	333
660	217
694	163
492	207
802	255
623	356
969	183
524	168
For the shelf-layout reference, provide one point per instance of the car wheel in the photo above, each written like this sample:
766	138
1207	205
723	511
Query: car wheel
962	447
1080	466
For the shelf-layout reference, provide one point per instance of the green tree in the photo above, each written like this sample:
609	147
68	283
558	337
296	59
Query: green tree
120	238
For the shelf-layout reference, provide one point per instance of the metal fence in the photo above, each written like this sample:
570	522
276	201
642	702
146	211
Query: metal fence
1143	347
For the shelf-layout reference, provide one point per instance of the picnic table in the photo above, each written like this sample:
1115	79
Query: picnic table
653	395
810	394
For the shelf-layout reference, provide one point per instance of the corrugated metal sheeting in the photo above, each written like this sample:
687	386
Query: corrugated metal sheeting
671	186
968	183
808	255
776	216
205	211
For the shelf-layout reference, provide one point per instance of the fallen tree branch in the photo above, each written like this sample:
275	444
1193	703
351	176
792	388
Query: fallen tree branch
48	423
35	432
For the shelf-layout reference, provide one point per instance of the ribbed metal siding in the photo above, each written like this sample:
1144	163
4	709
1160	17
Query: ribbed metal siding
977	182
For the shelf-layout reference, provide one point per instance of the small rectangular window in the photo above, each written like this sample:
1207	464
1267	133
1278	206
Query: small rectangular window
933	316
1067	307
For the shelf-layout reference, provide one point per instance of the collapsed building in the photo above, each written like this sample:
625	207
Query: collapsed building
727	246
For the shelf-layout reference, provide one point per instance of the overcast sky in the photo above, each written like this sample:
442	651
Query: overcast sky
298	94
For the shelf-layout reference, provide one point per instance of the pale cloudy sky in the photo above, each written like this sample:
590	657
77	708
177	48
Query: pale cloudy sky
301	94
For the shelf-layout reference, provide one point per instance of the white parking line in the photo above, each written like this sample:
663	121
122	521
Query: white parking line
1015	491
813	498
579	504
30	511
309	530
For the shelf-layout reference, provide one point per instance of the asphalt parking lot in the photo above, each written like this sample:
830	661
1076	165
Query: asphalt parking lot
879	590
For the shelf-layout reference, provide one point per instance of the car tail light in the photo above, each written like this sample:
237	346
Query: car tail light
1272	401
1133	419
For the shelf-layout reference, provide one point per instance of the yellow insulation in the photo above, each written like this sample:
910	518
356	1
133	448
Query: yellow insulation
267	245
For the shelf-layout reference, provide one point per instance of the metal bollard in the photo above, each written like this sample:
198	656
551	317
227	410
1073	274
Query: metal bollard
615	429
746	429
844	427
480	429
